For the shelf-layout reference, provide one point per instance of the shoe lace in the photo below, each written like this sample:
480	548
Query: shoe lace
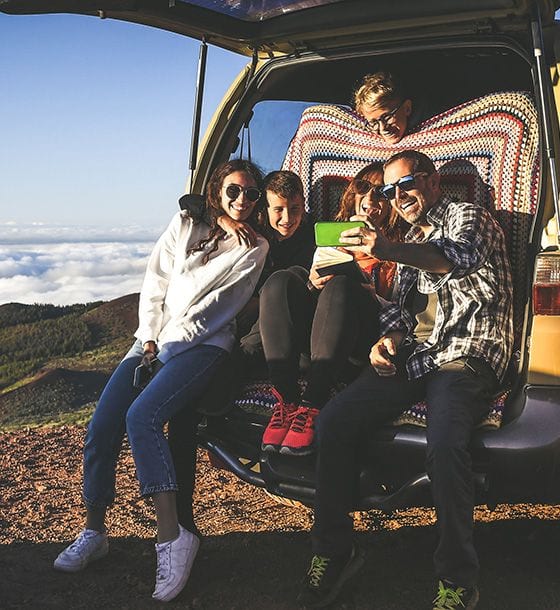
317	570
282	411
303	418
81	543
448	598
163	562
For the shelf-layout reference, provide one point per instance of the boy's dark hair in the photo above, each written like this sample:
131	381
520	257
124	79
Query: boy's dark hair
284	183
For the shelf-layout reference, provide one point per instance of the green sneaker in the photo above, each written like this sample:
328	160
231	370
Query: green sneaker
326	576
450	597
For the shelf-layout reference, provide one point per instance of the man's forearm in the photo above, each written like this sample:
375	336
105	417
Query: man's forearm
426	257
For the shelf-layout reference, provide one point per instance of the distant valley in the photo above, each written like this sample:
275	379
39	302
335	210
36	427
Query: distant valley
54	360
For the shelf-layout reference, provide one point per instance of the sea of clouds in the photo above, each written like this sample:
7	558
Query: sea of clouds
62	265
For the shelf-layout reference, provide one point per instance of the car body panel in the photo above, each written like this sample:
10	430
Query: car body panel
285	27
544	355
518	462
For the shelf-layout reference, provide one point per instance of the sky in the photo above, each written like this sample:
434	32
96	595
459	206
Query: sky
95	120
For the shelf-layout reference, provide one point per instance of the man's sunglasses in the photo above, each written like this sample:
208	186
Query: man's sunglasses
363	187
386	119
252	193
406	183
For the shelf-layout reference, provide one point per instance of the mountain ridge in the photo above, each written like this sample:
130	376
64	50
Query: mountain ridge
54	361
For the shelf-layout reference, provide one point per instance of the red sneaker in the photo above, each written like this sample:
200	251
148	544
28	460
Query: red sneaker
279	424
299	439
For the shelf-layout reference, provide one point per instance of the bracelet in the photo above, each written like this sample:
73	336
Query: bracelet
150	351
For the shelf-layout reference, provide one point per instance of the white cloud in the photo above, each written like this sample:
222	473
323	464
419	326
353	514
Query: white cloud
40	232
74	270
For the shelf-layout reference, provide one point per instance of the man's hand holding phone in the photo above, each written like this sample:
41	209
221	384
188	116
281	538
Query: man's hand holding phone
367	239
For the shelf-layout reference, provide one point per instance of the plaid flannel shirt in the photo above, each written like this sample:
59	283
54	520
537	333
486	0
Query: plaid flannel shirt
474	312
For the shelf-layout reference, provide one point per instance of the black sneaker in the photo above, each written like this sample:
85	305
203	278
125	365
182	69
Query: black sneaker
450	597
323	582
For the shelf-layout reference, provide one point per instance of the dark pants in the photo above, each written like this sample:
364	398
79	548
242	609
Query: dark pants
330	325
458	395
182	442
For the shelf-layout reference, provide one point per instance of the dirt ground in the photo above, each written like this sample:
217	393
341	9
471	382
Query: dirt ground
254	551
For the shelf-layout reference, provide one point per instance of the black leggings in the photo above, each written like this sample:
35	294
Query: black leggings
330	325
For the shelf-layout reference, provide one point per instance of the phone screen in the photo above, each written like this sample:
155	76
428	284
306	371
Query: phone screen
328	233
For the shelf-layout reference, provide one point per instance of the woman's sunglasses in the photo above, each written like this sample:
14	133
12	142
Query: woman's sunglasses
363	187
406	183
252	193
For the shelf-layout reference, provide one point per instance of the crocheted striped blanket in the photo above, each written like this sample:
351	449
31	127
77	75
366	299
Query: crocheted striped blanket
487	151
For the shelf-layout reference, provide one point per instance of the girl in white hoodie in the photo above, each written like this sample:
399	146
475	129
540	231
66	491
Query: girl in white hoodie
197	280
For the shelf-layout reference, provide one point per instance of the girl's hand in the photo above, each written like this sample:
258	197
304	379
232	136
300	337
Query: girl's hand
318	281
150	353
245	234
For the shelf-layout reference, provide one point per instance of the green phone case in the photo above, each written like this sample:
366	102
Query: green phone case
328	233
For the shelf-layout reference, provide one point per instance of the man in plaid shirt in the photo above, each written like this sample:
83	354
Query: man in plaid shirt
447	338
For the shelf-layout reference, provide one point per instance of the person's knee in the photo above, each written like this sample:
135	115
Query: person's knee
339	284
276	282
446	455
101	427
136	423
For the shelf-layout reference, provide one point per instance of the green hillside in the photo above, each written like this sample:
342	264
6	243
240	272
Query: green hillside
54	361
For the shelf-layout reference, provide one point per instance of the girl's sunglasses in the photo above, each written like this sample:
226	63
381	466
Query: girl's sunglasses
406	183
252	193
363	187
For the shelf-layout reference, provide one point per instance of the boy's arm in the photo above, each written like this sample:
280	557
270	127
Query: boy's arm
245	233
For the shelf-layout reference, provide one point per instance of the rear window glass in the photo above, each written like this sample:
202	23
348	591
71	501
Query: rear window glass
269	132
258	11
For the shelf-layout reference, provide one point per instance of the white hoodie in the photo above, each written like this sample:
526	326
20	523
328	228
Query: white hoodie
184	302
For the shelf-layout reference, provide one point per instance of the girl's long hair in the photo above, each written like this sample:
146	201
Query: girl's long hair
214	202
394	228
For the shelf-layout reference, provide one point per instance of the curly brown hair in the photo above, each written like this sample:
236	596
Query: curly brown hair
214	202
377	89
394	227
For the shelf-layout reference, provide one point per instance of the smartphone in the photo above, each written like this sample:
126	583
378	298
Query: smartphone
328	233
143	374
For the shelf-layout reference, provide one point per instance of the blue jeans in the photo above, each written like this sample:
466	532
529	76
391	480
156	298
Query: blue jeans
142	414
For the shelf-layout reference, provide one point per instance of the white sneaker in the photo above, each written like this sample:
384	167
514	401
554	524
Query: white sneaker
174	563
88	546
